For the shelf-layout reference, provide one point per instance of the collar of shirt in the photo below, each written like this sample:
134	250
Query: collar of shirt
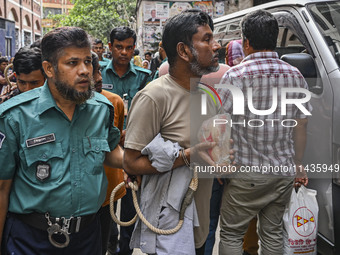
131	69
261	55
46	100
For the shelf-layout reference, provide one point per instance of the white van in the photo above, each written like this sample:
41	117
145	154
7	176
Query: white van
309	38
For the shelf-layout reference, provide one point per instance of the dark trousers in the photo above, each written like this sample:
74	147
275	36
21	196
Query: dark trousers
215	206
127	212
200	251
109	230
22	239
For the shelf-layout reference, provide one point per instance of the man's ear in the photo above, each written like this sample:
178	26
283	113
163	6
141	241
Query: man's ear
246	44
183	51
48	69
110	47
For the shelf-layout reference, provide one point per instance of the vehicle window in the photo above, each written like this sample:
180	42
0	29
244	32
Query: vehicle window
327	17
227	32
291	38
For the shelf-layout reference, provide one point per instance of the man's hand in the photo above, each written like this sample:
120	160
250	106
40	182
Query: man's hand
8	89
200	151
133	178
300	176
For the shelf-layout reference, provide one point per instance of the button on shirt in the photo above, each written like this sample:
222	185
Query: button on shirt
272	143
77	182
128	84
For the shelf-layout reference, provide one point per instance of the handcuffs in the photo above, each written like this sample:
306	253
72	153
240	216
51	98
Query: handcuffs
56	229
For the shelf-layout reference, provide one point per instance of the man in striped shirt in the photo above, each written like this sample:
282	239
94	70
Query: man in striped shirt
269	134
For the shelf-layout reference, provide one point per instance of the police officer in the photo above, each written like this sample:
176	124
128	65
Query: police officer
28	71
53	142
125	79
120	76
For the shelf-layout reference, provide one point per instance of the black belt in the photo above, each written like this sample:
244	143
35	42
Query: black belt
70	225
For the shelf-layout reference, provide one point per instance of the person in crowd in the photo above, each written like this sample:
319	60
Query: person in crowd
148	56
162	107
262	193
250	244
146	64
54	141
137	60
124	79
28	70
98	48
157	61
114	176
234	53
36	44
3	82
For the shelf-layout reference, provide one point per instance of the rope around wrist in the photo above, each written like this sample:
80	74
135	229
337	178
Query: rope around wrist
185	159
134	187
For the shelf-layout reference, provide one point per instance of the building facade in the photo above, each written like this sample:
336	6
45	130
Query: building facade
53	7
25	15
152	14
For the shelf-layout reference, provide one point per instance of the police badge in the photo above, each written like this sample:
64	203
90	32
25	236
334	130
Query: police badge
43	171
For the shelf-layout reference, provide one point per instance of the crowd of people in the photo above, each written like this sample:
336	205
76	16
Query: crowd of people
74	124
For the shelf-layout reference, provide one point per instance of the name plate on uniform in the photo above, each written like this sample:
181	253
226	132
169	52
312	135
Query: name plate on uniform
107	86
40	140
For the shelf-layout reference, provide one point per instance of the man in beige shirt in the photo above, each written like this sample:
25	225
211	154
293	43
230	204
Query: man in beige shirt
163	106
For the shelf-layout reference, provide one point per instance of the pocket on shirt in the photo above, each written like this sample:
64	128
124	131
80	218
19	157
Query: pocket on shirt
50	153
95	150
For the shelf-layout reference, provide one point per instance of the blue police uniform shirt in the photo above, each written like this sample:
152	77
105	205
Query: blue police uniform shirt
35	133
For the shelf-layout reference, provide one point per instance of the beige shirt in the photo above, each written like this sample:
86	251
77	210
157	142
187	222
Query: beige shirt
165	107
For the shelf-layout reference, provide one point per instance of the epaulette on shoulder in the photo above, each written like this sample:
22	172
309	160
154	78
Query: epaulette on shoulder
102	99
17	100
143	70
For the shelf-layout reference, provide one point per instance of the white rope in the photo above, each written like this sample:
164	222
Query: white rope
134	187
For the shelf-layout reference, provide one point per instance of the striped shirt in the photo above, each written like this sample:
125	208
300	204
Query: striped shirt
264	140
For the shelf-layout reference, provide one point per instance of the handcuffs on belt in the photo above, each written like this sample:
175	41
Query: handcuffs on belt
56	229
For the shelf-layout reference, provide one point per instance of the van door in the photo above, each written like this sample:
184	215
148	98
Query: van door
325	26
298	35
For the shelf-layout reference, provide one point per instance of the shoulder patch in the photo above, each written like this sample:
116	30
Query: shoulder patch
102	99
17	100
2	138
143	70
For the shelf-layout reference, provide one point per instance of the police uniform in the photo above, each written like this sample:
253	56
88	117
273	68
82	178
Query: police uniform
103	63
130	83
56	164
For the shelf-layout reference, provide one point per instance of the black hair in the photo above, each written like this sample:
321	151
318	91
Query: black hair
136	52
181	28
36	44
122	33
55	41
27	60
147	53
3	59
95	61
97	41
261	29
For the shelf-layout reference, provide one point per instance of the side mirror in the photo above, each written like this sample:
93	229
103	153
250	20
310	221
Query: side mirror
306	65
